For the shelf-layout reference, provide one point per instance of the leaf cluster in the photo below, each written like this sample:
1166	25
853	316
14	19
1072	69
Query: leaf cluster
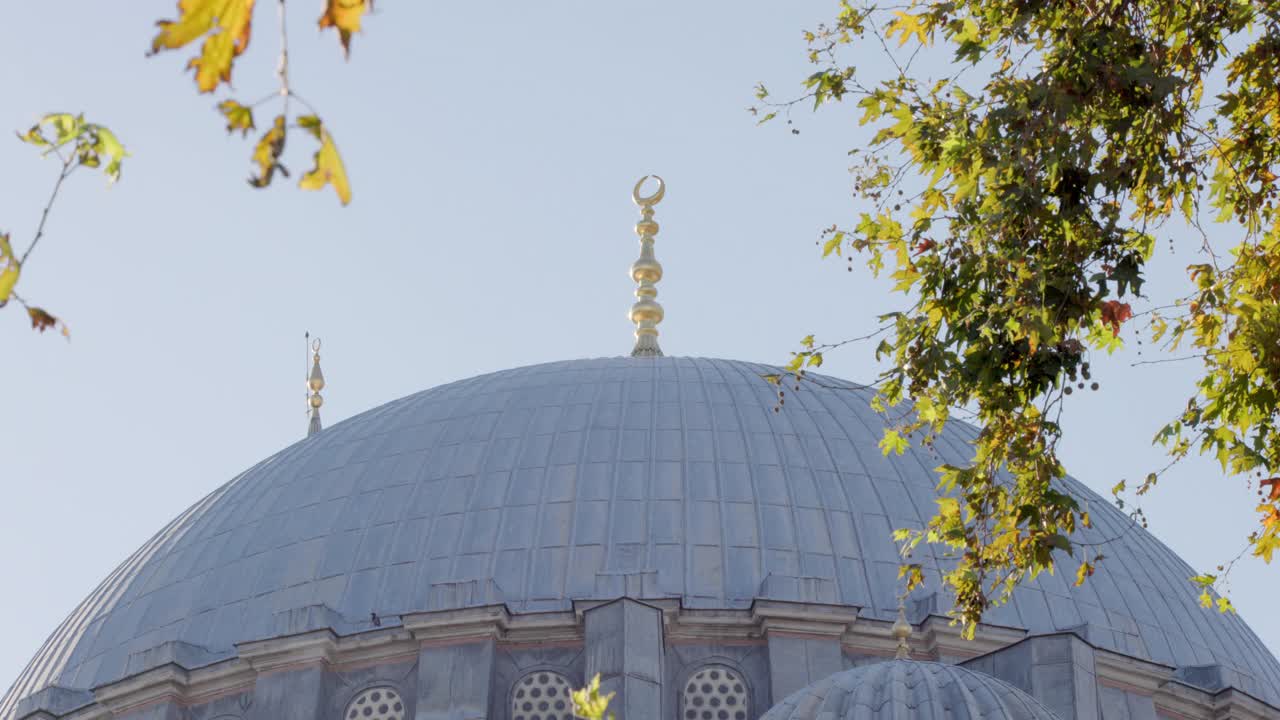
224	27
76	143
1019	218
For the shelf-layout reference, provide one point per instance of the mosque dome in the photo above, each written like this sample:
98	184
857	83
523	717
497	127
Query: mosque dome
539	487
666	524
901	689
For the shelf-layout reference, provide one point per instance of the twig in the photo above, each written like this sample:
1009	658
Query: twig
68	166
282	67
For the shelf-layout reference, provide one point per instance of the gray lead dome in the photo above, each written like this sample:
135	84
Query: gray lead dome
902	689
654	478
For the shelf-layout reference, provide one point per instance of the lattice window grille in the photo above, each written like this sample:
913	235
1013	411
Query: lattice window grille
380	703
542	695
716	693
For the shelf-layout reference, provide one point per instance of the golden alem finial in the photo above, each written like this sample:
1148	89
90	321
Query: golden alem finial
315	383
902	631
646	313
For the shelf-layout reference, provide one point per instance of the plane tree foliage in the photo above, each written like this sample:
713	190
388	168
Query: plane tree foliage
1017	201
219	31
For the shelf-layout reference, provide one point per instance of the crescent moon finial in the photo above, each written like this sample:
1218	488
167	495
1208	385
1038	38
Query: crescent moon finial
646	271
653	199
315	383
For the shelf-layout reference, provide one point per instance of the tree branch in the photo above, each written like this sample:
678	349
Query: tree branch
68	166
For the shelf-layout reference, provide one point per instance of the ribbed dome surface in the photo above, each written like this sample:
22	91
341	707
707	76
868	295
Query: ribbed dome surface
905	689
667	477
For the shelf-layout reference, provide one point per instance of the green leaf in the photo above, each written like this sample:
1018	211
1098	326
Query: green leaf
1060	542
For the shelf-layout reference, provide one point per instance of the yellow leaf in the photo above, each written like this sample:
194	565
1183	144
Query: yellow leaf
329	169
238	116
1083	572
589	703
34	136
10	269
267	154
225	26
344	16
906	26
105	142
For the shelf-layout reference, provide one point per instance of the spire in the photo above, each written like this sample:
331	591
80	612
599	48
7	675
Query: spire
902	631
646	313
315	383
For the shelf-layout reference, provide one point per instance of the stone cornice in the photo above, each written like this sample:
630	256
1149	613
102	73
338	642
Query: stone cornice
940	638
493	622
810	619
1180	700
267	656
1129	673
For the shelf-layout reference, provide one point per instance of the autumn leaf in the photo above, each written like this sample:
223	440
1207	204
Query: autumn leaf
1114	313
93	143
224	24
893	442
10	269
238	117
100	143
1274	493
267	154
907	25
1084	572
42	320
589	703
344	16
329	169
833	244
34	136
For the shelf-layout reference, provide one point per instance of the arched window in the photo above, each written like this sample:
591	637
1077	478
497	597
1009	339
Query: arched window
716	693
542	695
380	703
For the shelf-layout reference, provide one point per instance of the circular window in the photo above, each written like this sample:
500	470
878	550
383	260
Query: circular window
381	703
716	693
542	695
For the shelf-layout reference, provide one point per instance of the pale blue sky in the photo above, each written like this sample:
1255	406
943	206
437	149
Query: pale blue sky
492	152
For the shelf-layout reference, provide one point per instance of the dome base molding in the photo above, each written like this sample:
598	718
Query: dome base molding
775	626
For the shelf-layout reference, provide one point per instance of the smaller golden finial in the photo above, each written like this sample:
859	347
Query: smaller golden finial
315	383
646	313
902	631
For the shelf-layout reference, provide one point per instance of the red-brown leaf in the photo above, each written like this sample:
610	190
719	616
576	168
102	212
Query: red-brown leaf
1114	313
1274	493
41	320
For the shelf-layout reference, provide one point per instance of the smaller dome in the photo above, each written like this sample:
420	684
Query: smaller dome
901	689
